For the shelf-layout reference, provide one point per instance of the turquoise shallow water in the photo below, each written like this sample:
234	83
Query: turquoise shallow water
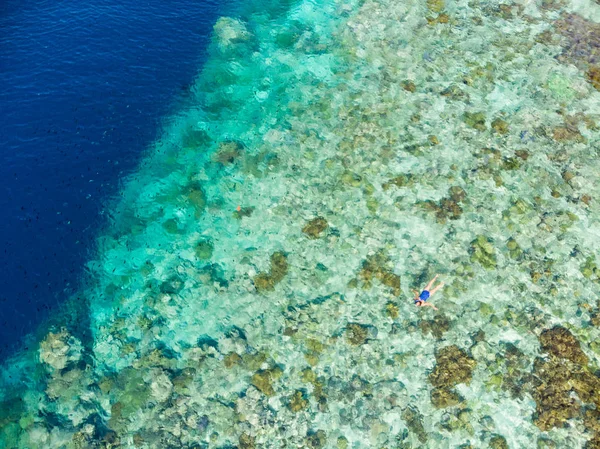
255	287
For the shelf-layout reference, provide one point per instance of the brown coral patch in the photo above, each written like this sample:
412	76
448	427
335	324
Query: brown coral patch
398	181
414	422
517	381
594	443
593	76
298	401
500	126
438	326
475	120
356	334
453	366
567	133
564	384
581	40
561	343
376	267
554	404
315	227
392	310
444	397
263	380
246	441
279	268
228	152
409	86
498	442
448	208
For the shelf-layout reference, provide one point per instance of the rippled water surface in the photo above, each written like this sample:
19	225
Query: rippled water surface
255	287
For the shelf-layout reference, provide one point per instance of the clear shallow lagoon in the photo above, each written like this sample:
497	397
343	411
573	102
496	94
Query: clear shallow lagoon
254	288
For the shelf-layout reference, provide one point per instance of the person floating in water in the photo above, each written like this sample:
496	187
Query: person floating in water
421	298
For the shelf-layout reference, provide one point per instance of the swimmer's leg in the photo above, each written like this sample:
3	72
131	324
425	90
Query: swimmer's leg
428	288
436	289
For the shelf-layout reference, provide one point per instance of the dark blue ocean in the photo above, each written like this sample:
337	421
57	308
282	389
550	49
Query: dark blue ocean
84	87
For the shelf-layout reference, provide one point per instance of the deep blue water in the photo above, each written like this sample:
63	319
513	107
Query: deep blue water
83	88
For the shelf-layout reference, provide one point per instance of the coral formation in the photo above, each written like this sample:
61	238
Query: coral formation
565	372
357	334
483	252
279	267
377	266
315	227
561	343
59	349
453	366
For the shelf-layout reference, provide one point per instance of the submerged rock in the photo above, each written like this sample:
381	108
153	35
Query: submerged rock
439	325
194	193
193	138
242	212
171	226
229	31
316	440
449	207
171	286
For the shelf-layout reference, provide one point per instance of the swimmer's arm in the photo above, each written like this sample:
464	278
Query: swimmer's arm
416	292
428	304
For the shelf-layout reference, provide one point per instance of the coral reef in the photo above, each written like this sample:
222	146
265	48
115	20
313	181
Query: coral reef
59	349
565	372
279	268
483	252
453	366
377	266
561	343
315	227
250	294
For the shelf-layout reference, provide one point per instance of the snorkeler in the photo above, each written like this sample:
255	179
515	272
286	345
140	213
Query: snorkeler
421	298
